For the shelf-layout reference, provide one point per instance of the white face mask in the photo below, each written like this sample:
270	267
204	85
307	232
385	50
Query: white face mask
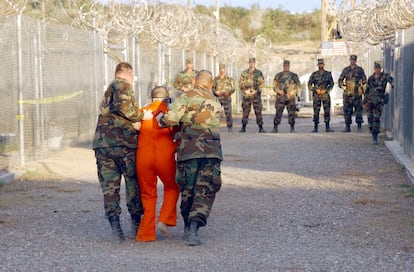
163	99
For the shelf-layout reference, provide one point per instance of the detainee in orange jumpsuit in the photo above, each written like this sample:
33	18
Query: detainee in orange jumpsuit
156	158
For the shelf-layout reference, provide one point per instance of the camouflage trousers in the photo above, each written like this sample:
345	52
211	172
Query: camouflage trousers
351	103
280	104
247	103
199	181
374	112
226	104
317	103
113	163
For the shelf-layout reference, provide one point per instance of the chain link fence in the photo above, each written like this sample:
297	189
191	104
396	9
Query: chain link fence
390	24
398	113
54	75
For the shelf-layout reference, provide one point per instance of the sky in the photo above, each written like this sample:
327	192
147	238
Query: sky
293	6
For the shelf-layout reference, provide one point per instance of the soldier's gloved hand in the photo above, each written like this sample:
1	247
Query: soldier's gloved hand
147	115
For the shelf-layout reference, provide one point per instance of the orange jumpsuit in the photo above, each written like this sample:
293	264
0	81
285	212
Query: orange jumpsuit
156	158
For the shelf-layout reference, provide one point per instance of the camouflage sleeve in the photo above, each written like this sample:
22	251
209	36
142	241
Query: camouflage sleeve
214	88
296	79
232	88
310	82
369	86
176	111
243	82
177	82
329	82
276	83
123	103
341	78
260	82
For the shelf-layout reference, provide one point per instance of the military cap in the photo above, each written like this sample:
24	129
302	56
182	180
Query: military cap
321	61
353	57
188	60
286	62
377	64
252	60
222	65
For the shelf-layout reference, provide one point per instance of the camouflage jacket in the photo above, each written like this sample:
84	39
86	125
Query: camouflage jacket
118	112
354	79
322	81
185	80
376	87
251	81
288	82
225	84
198	114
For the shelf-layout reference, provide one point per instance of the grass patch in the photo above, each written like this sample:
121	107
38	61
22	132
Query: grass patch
409	190
409	193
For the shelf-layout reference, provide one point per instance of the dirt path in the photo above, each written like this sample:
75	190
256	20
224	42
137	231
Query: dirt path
289	202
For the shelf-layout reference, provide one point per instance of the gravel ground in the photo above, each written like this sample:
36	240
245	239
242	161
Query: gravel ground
289	202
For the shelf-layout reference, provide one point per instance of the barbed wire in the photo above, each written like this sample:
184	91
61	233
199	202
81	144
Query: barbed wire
12	7
373	21
174	25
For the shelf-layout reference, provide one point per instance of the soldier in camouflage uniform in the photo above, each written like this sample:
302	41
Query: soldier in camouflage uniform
286	84
353	81
199	152
251	85
185	79
321	83
115	145
223	88
375	98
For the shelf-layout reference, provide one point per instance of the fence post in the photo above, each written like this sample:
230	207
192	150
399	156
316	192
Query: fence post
20	116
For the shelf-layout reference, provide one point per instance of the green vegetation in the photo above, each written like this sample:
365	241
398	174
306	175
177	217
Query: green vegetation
276	25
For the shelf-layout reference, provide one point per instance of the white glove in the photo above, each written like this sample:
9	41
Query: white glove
147	115
136	125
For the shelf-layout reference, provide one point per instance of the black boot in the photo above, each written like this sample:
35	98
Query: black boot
243	128
292	128
135	221
359	127
375	138
347	128
275	130
315	127
261	130
193	239
186	232
116	228
327	128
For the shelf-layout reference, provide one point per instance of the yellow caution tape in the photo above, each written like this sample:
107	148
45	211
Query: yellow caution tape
47	100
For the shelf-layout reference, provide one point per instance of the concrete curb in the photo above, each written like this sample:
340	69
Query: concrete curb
6	177
398	153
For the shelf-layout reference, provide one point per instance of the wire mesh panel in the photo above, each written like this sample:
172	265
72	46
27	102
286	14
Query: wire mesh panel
59	78
407	91
8	90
